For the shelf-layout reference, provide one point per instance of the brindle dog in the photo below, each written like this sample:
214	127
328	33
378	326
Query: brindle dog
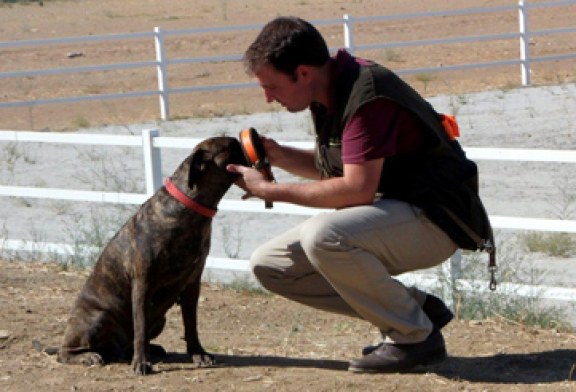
155	260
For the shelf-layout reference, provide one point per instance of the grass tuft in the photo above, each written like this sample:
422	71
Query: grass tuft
551	244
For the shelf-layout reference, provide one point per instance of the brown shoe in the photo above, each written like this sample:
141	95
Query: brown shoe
394	358
436	310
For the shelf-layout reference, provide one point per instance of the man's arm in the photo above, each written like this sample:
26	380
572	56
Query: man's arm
357	186
294	160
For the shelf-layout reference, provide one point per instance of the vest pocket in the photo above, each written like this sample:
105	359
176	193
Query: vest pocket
330	160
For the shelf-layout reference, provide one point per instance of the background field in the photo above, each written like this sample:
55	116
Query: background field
265	342
66	18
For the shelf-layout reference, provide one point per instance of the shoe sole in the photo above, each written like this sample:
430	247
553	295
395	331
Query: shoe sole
433	359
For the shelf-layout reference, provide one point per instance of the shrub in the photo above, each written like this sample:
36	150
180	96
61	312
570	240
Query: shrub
504	303
552	244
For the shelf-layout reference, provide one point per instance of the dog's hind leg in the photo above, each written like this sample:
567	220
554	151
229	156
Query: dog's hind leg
79	356
81	332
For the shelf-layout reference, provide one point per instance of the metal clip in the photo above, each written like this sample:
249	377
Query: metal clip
488	246
492	267
492	277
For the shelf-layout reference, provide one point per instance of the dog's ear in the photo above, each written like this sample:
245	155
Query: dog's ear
196	165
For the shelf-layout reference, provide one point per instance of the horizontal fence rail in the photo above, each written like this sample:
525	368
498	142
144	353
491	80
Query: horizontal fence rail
162	63
150	142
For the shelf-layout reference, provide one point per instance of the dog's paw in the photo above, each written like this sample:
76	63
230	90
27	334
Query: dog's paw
203	359
90	359
141	368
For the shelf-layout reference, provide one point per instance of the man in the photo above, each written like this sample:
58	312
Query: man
403	193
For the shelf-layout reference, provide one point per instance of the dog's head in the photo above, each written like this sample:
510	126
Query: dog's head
203	175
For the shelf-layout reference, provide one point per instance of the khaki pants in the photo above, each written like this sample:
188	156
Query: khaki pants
343	262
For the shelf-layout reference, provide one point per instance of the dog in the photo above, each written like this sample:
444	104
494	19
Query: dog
153	262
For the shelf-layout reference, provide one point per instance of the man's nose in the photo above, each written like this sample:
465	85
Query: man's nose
269	97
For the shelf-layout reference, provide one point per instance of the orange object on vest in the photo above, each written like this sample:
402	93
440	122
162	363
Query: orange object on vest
450	126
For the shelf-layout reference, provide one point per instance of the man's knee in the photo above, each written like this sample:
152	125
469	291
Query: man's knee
319	237
258	264
264	275
269	275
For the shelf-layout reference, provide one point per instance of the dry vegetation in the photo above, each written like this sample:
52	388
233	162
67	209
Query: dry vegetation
85	18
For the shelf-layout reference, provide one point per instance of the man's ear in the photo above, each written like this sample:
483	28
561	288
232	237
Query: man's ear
302	72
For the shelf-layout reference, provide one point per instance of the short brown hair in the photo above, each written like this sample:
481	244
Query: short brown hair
286	42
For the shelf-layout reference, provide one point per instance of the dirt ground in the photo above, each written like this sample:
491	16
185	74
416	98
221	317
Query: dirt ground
263	342
74	18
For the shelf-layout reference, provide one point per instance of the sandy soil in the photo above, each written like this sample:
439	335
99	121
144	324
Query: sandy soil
65	18
263	342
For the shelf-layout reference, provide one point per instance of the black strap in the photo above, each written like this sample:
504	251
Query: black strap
486	245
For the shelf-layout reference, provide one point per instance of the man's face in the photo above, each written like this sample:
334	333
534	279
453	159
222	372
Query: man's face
292	93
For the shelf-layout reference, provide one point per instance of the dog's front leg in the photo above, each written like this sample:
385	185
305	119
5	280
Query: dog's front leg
189	307
140	362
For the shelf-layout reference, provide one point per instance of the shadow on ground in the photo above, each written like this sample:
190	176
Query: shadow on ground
531	368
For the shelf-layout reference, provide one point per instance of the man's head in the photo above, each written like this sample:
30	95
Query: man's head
287	58
285	43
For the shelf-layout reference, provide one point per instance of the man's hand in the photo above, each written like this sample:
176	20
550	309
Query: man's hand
294	160
251	180
272	148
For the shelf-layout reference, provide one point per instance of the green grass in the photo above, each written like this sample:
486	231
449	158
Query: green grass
551	244
244	286
502	304
425	79
80	122
392	56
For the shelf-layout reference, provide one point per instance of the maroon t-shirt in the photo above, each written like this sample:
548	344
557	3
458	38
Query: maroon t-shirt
380	128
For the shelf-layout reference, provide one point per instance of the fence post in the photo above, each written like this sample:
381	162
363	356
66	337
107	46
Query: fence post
164	95
348	39
455	274
524	43
152	161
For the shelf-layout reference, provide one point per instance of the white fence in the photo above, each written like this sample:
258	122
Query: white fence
162	63
151	142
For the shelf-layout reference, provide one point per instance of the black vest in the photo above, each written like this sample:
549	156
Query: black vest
439	178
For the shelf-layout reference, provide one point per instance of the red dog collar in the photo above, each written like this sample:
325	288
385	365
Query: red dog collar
188	202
